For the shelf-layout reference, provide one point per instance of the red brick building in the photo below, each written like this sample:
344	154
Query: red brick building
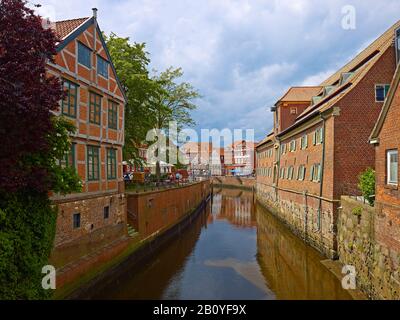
95	103
243	158
319	154
386	138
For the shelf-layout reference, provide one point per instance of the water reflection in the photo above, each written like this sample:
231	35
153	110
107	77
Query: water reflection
234	250
291	268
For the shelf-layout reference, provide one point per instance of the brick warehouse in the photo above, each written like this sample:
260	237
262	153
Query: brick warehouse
386	138
95	103
318	155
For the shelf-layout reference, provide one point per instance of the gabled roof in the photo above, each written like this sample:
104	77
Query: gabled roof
65	27
300	94
269	138
364	55
359	66
386	106
68	30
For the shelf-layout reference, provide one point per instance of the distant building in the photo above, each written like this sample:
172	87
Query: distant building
128	167
199	156
243	158
217	163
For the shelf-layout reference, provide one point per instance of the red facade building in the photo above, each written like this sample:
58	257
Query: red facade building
318	155
94	103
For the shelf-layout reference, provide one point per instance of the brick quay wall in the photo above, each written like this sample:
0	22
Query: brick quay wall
156	217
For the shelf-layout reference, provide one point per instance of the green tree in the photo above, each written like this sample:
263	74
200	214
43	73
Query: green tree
172	102
131	63
367	185
32	140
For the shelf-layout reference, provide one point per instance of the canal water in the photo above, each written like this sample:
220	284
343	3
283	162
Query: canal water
235	249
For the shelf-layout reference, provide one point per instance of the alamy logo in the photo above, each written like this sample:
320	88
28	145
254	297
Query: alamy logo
49	280
349	280
349	20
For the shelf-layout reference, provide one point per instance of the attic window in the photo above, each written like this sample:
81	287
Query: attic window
398	45
315	100
328	90
102	67
364	61
345	77
84	55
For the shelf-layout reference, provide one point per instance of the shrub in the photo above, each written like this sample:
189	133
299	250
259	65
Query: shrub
367	185
32	140
357	211
27	229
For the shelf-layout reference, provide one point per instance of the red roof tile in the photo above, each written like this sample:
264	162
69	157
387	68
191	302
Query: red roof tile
64	28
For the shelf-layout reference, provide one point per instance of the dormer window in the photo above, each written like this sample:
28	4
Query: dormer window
345	77
315	100
327	90
398	45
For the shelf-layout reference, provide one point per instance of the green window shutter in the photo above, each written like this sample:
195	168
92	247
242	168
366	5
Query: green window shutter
93	163
113	115
306	141
95	108
69	103
387	88
312	173
111	164
315	138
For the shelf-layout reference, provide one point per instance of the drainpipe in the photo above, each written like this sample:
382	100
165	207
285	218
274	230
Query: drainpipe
322	174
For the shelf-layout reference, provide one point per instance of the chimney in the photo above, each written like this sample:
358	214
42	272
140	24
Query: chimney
95	13
48	24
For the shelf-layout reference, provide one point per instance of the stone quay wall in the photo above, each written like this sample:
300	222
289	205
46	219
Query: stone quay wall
300	212
376	265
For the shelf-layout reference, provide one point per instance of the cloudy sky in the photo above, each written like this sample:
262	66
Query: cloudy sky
241	55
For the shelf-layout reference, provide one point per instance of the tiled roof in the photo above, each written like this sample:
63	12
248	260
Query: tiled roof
267	139
301	94
382	41
360	65
65	27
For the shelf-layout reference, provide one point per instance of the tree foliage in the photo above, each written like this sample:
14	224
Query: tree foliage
32	138
153	101
173	102
367	185
131	63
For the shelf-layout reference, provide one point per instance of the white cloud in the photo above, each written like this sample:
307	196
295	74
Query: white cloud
317	79
241	54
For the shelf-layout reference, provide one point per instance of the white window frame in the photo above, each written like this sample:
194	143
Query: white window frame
304	142
389	180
